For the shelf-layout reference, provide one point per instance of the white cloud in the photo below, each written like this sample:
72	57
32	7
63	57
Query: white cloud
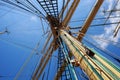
109	30
100	42
110	2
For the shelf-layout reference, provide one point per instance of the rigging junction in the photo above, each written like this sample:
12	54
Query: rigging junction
71	51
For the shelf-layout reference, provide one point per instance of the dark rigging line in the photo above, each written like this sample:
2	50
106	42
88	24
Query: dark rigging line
96	25
115	10
111	12
31	8
62	10
35	8
104	24
13	24
11	3
43	76
6	13
26	6
39	57
14	11
18	44
99	18
38	63
42	25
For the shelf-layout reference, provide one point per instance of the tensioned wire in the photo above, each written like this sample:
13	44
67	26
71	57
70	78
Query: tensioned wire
24	7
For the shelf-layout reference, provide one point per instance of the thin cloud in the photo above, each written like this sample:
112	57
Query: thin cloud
109	30
33	18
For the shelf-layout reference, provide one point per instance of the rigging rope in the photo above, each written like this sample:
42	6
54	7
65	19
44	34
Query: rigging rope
115	10
96	25
36	64
6	13
111	12
97	18
27	60
15	11
63	5
42	25
35	8
16	5
49	68
23	7
18	44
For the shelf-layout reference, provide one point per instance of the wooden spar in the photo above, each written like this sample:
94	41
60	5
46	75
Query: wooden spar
49	36
45	63
89	19
76	54
41	62
83	63
70	12
60	71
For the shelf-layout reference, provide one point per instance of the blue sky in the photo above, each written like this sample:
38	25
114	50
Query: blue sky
26	31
